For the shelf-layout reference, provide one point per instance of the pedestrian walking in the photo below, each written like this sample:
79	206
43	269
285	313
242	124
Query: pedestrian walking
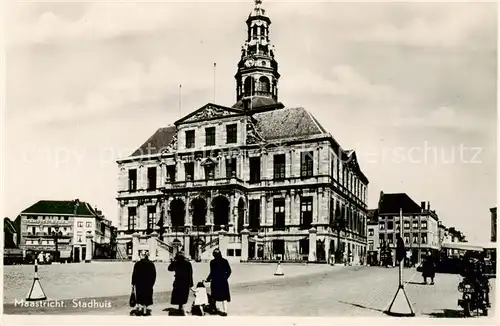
220	271
143	281
183	281
428	269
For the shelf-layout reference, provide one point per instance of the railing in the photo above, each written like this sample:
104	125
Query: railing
164	245
210	244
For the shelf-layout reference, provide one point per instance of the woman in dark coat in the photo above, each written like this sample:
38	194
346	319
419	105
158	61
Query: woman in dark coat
428	269
183	280
143	280
219	274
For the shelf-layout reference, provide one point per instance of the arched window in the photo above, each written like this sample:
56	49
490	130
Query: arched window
264	85
248	86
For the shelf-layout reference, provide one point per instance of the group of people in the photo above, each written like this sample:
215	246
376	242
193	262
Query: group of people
144	277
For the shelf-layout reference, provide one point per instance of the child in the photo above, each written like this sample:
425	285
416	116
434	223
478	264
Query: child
200	299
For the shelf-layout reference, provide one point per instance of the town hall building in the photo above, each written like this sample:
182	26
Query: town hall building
257	170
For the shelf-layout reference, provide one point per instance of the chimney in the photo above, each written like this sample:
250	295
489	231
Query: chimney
428	205
422	205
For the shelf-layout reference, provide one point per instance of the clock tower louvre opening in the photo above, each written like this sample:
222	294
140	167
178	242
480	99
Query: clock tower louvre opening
257	76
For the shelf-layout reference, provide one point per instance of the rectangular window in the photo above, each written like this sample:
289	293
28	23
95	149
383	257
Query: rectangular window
190	139
79	235
254	169
209	172
407	237
151	217
210	136
424	238
231	167
371	233
406	224
132	212
415	237
132	180
189	168
88	224
152	178
381	238
381	226
80	224
305	213
423	224
171	173
415	224
279	214
279	167
254	215
306	164
390	225
231	133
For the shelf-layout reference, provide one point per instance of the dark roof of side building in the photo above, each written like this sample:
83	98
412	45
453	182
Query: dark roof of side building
60	207
392	203
8	226
157	142
372	216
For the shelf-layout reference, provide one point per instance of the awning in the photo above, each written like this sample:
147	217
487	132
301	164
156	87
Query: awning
463	246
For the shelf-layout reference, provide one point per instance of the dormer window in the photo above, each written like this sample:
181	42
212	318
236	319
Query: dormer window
190	139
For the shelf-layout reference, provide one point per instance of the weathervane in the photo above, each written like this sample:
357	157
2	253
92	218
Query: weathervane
258	2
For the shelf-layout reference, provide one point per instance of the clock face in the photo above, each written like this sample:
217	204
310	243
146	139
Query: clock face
249	63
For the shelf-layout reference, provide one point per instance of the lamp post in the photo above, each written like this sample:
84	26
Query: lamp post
56	234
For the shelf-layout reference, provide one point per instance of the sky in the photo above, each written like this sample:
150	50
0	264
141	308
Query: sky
410	86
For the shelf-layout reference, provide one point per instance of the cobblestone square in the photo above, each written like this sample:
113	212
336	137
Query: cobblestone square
305	290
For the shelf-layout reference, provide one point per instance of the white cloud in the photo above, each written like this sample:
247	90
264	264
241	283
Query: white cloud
442	117
340	80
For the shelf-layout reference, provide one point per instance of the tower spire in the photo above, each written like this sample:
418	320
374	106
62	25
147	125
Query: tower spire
257	75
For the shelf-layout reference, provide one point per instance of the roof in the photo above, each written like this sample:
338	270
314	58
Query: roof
255	102
60	207
287	123
8	226
156	143
372	215
392	203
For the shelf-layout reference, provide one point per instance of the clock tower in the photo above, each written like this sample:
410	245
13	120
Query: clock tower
257	76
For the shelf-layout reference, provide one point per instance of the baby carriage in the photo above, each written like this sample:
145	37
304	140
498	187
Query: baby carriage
203	301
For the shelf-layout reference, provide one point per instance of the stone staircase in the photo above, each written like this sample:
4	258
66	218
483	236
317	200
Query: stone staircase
164	251
121	253
207	249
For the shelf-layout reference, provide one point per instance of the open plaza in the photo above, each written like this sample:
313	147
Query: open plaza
103	288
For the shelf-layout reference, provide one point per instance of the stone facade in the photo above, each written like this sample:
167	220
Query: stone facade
258	170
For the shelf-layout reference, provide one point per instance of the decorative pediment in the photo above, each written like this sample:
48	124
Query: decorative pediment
209	111
352	160
253	136
172	147
208	161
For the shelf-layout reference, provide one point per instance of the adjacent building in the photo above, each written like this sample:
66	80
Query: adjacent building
493	212
257	168
420	225
373	248
10	233
63	224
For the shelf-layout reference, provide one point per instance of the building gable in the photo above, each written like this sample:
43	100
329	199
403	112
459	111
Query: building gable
208	112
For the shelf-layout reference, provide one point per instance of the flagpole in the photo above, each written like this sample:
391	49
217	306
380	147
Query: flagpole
215	65
401	236
180	100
